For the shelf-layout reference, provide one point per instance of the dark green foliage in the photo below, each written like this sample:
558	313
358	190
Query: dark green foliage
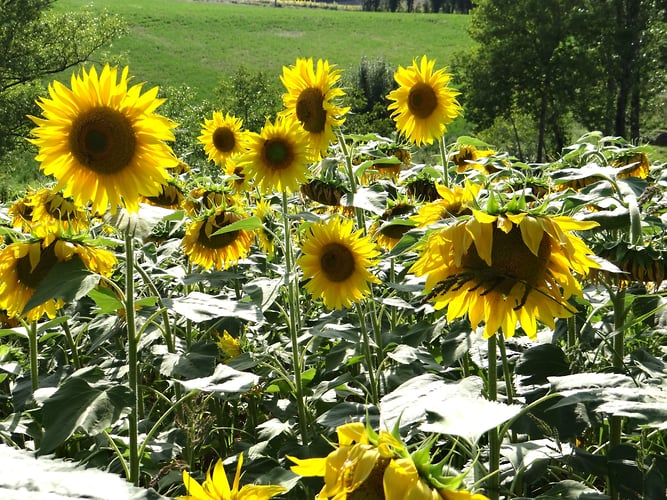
251	96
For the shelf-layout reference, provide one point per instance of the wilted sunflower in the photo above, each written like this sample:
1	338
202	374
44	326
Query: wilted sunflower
222	136
216	486
102	141
504	269
55	212
423	104
277	157
24	265
335	260
309	99
218	251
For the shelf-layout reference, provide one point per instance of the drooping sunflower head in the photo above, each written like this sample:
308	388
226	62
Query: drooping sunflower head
277	158
210	196
24	266
21	212
632	163
336	261
423	104
452	202
55	212
390	227
505	269
171	196
311	101
218	251
222	136
103	141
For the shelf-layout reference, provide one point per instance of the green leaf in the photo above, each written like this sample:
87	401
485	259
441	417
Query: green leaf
68	281
200	307
347	412
198	362
246	224
224	380
76	406
373	199
105	300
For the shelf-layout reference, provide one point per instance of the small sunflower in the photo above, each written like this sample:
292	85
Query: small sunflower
238	180
21	212
387	234
203	198
102	141
228	345
277	158
309	99
467	157
505	269
222	136
218	251
171	196
453	202
423	104
24	265
55	212
265	234
335	260
216	486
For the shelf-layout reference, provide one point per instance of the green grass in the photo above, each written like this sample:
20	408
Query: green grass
174	42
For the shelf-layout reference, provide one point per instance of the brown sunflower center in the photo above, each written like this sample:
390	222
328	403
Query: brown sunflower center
224	139
337	262
103	140
277	154
372	488
310	110
219	240
30	277
512	262
422	100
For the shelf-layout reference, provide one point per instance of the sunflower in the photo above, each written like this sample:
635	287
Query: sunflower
277	157
228	345
216	486
203	198
265	234
55	212
238	180
171	196
21	212
366	464
386	231
218	251
467	157
505	269
453	202
423	103
335	260
310	100
24	265
102	140
222	137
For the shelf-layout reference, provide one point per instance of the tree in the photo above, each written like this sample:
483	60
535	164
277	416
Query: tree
552	59
36	43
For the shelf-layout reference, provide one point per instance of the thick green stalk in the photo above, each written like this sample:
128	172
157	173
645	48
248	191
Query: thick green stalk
618	353
72	346
445	161
33	349
493	487
293	323
368	353
132	360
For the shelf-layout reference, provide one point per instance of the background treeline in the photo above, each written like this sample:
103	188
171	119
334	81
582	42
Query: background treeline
536	74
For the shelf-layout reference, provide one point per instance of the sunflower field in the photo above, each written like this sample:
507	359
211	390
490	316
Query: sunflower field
326	317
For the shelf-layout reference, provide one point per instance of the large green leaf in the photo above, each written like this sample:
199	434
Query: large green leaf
200	307
68	281
224	380
77	406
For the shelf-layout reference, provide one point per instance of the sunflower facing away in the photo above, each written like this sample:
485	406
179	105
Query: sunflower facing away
505	269
55	212
310	99
222	137
103	141
216	486
218	251
277	158
376	466
335	260
423	104
24	265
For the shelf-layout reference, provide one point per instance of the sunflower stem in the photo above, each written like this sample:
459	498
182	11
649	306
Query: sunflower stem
34	360
72	346
361	221
618	353
493	486
132	360
368	353
293	304
445	161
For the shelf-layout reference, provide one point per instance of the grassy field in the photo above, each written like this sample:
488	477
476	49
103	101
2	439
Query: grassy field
173	42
